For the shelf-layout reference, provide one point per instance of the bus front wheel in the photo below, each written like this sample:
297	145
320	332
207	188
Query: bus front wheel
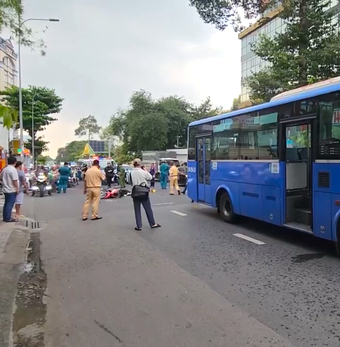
226	209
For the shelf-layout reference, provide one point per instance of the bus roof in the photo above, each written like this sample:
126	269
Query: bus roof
306	92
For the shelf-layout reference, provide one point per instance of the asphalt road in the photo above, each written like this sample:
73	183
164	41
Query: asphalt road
192	282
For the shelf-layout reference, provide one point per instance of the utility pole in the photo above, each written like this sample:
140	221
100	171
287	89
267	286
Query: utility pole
33	133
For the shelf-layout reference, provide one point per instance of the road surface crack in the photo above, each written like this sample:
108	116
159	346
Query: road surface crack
102	326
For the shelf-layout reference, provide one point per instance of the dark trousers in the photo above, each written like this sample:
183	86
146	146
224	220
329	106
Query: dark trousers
148	210
109	181
8	207
185	189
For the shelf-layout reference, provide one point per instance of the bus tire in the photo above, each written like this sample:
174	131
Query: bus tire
226	209
337	242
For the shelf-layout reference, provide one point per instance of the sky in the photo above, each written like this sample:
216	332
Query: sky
102	51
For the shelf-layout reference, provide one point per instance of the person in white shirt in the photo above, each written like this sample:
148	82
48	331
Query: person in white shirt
140	177
9	176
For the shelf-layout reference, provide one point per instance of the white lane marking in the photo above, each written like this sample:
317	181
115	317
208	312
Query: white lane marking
179	213
250	239
163	203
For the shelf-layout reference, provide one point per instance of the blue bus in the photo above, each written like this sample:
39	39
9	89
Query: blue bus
277	162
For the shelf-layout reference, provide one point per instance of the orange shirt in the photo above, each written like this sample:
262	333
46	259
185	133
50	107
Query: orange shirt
94	177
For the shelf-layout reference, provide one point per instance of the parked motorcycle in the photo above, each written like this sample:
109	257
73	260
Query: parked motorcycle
41	186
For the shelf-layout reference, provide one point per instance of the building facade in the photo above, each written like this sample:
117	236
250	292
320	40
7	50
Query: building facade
250	63
8	77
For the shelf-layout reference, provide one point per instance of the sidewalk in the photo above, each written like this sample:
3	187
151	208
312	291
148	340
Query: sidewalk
12	255
5	228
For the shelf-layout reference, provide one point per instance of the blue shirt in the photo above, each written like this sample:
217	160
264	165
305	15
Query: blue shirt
164	168
64	171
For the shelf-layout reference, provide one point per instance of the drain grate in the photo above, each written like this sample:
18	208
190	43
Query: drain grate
32	225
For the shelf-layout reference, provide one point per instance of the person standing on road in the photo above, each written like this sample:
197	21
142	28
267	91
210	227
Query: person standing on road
164	173
174	179
121	176
152	173
185	172
64	174
140	195
92	184
109	173
9	176
23	187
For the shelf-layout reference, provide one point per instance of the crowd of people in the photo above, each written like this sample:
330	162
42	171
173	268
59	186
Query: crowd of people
141	180
15	185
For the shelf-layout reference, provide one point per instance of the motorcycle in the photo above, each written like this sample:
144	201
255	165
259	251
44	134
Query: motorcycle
113	193
41	185
71	182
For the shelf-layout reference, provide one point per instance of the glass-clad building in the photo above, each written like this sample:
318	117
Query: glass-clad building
250	63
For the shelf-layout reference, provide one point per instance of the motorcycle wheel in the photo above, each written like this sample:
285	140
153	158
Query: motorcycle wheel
41	191
102	193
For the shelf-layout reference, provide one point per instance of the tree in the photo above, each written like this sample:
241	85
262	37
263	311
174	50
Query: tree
87	126
72	151
11	14
224	13
307	51
204	110
236	103
40	145
121	157
44	159
156	124
45	103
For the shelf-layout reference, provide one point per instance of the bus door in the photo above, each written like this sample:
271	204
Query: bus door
297	139
203	145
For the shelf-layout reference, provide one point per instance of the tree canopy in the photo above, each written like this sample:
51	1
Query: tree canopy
11	14
150	124
225	13
87	126
71	151
307	51
45	103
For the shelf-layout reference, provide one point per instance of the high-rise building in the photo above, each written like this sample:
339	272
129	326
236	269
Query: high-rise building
273	24
8	77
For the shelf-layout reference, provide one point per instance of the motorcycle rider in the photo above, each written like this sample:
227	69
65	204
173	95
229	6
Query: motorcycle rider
109	173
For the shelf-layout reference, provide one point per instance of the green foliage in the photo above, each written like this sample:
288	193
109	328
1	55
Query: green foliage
39	145
150	124
236	103
9	116
121	157
11	15
87	126
204	110
224	13
307	51
45	103
43	159
71	152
